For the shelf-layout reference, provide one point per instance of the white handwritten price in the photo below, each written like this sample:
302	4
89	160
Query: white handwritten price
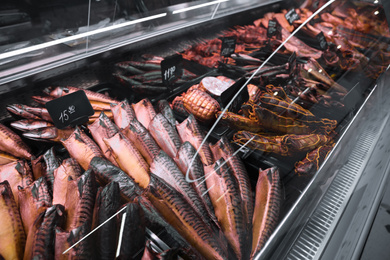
169	72
64	116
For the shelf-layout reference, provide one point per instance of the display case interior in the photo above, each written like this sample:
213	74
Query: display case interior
215	132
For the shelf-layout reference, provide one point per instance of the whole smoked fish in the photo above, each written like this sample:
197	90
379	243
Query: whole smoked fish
91	95
12	236
189	130
80	201
123	113
102	128
106	172
144	112
267	207
81	147
225	195
33	199
142	139
11	143
129	158
18	174
177	212
67	171
165	135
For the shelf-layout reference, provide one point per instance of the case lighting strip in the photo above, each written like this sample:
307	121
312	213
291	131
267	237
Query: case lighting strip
198	6
78	36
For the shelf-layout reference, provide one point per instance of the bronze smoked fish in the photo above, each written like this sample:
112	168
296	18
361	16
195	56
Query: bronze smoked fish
144	112
11	143
12	236
165	135
189	130
18	174
81	147
225	195
142	139
177	212
267	207
129	158
102	128
123	113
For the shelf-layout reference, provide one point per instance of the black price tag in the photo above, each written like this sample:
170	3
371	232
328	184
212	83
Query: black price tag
171	69
228	94
292	16
228	46
292	64
322	41
273	28
70	110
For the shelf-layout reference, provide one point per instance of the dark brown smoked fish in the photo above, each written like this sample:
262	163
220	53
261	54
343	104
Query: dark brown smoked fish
142	139
165	135
196	177
52	163
177	212
106	172
123	113
165	109
104	128
81	147
12	236
129	158
223	149
134	223
6	158
11	143
225	195
107	204
165	168
267	207
144	112
43	246
189	130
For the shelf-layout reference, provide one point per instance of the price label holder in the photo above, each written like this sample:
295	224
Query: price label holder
292	16
322	41
171	69
228	94
70	110
292	64
228	46
273	28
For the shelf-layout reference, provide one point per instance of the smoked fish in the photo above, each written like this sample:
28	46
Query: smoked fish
12	236
81	147
267	207
189	130
144	112
177	212
129	158
123	113
11	143
142	139
165	135
225	195
102	128
18	174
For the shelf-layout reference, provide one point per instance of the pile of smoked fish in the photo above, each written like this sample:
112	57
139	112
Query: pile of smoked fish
135	168
163	174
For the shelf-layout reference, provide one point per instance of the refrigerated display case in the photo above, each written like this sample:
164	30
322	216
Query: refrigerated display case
305	112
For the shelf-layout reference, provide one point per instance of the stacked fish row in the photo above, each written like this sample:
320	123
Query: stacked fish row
144	77
151	162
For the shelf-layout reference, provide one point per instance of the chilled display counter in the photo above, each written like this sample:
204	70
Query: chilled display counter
192	130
